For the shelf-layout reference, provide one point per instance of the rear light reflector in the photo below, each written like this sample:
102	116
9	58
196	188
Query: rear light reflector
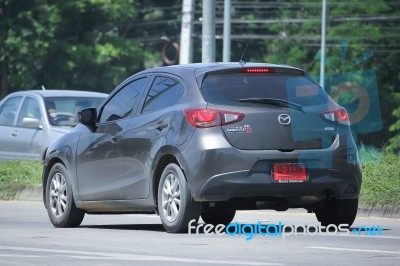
203	118
339	115
258	70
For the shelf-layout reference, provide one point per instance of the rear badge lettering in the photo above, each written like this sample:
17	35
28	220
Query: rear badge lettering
329	128
240	129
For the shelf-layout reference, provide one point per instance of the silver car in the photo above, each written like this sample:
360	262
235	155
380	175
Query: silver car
31	120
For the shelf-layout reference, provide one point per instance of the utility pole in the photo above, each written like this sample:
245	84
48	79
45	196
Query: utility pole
226	54
323	34
208	35
186	46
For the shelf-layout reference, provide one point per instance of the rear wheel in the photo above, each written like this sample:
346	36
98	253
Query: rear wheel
218	216
175	203
59	199
338	211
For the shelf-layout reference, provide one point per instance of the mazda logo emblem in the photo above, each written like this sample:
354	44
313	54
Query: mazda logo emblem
284	119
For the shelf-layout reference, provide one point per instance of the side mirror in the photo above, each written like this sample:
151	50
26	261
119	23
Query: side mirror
31	123
88	117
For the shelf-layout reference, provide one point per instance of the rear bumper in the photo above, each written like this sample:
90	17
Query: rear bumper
218	172
321	183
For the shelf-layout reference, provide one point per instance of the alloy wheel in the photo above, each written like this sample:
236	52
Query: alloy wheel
171	197
58	195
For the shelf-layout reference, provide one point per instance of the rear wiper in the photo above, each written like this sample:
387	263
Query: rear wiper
273	101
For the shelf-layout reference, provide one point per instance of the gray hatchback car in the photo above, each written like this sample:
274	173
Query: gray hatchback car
206	140
31	120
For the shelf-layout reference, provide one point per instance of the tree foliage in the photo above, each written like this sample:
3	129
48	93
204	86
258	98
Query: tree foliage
360	36
394	142
26	32
77	44
95	44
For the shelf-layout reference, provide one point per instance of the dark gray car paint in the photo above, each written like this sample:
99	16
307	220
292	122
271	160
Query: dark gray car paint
214	169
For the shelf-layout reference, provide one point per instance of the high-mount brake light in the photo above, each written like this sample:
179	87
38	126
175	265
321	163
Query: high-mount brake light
203	118
258	70
339	115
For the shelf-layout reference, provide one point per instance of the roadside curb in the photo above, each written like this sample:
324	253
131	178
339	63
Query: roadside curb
29	194
35	194
378	211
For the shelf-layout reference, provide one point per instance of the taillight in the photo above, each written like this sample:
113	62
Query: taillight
339	115
201	117
257	70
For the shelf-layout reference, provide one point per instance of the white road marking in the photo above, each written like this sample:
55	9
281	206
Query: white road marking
357	250
133	257
364	236
20	256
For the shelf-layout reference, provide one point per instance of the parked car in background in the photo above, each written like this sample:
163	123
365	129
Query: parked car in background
206	140
31	120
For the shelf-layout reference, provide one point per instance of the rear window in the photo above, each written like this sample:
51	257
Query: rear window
228	89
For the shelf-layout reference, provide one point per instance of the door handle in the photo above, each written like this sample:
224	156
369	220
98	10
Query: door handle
161	125
14	133
116	138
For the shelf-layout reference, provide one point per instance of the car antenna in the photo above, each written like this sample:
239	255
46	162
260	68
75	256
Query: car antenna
241	62
43	88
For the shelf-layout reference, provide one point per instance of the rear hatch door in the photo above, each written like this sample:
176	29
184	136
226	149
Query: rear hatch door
282	111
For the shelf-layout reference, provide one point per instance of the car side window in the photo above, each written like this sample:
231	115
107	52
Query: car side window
30	109
123	102
163	93
8	111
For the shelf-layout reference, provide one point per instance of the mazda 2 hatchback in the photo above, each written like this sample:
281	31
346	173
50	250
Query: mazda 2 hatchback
206	140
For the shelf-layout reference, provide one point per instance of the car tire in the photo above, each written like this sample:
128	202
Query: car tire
59	199
218	216
337	211
175	203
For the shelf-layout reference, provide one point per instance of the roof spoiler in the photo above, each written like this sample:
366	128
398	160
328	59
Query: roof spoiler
251	70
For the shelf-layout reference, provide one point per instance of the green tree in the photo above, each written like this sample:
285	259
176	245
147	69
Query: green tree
75	44
27	30
394	142
367	27
94	51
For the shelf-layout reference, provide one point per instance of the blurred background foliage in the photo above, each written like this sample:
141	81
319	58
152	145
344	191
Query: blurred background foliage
95	44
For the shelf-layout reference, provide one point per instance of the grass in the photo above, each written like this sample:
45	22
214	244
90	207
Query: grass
381	181
381	178
17	175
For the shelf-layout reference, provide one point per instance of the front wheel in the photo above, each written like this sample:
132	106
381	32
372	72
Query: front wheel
337	211
59	199
175	203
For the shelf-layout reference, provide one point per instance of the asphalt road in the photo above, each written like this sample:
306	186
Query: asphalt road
28	238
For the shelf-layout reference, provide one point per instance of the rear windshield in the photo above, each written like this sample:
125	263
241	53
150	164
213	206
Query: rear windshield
228	89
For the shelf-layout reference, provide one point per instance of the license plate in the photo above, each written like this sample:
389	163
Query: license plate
289	173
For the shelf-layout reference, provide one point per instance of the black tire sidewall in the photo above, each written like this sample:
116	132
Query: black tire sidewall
218	216
340	211
65	219
188	209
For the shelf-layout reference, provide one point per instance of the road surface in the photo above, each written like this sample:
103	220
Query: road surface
28	238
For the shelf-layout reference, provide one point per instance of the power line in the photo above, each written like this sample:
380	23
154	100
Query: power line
301	37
